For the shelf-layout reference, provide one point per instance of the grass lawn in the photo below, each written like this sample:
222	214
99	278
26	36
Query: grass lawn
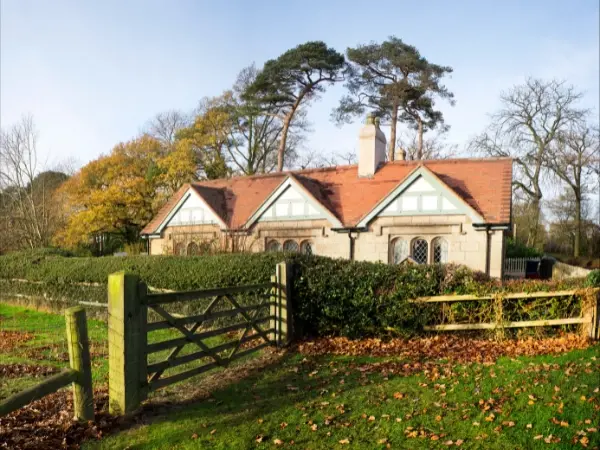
353	402
38	340
340	401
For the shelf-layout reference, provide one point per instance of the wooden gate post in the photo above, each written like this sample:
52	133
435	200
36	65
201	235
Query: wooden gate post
127	316
283	322
591	312
79	356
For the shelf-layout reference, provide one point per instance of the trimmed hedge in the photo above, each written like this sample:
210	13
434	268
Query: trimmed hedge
331	296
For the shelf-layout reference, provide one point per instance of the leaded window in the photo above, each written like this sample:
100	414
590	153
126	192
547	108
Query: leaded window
399	250
306	247
440	250
192	249
420	250
290	246
179	249
273	246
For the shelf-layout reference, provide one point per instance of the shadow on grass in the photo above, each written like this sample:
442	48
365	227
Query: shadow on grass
262	392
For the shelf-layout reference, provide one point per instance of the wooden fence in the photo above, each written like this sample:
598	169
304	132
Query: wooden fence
589	319
80	373
265	321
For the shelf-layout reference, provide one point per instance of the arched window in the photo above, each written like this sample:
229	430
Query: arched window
179	249
273	246
399	250
420	249
440	250
193	249
306	248
290	246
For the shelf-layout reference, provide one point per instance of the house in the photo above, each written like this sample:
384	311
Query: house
431	211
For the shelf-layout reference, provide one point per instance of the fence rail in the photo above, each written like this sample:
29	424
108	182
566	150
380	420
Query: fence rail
80	373
264	322
590	314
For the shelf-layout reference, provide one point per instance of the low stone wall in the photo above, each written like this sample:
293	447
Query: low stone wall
560	271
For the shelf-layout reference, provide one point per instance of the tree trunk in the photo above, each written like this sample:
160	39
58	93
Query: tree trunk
420	135
282	143
577	243
392	144
532	238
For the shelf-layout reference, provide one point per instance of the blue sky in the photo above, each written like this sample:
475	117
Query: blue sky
93	73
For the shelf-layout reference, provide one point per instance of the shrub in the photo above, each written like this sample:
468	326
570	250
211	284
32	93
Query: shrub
515	249
593	278
331	296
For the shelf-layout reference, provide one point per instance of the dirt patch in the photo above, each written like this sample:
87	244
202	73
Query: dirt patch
26	370
453	348
11	339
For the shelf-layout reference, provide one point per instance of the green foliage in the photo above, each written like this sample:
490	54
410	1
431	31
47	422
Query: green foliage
593	278
292	80
331	296
396	83
515	249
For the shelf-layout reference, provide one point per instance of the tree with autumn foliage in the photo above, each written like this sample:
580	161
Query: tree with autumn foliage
121	192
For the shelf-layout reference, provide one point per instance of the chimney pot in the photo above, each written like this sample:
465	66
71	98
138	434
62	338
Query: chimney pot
401	154
371	147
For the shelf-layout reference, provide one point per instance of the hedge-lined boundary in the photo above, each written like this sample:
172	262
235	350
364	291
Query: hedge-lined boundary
332	296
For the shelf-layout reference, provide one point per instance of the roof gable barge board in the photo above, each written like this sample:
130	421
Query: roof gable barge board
292	191
197	202
422	184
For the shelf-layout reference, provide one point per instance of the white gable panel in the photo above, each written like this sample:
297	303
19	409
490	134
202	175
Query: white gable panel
291	205
447	205
290	194
420	185
193	211
393	207
312	211
410	203
429	202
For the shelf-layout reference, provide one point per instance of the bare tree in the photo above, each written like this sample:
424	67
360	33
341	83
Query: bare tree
530	120
165	125
572	158
30	216
430	147
316	160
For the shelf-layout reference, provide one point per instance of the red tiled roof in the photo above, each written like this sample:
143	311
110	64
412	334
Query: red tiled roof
484	184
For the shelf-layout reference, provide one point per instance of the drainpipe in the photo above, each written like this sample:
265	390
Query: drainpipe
488	253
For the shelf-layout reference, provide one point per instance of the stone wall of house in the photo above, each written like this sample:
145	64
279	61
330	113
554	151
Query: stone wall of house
465	244
184	235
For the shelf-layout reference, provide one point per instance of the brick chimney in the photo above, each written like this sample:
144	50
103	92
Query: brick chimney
371	148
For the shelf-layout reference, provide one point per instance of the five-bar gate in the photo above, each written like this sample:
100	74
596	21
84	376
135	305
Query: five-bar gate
221	326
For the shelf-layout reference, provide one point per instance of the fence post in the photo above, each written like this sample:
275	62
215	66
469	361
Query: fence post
591	311
273	325
284	307
79	357
126	343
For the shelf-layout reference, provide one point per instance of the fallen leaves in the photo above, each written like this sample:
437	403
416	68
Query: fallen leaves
29	370
48	424
451	347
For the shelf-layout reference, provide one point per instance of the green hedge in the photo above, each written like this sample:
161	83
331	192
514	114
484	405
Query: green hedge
331	296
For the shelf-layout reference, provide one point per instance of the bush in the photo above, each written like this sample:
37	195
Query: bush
331	296
517	250
593	278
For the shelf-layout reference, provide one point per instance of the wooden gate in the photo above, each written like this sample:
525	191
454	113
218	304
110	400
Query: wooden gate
139	359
